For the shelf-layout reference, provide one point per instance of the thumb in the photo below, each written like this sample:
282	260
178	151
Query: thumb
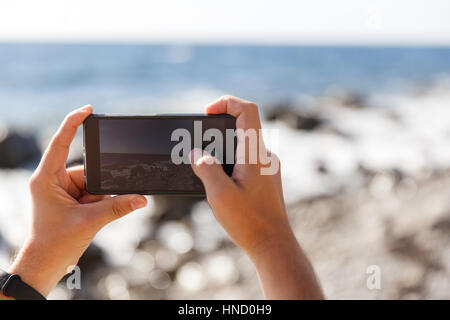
116	207
210	172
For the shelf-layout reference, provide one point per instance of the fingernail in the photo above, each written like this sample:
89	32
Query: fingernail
138	203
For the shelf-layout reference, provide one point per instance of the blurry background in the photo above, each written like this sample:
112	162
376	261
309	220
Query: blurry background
359	91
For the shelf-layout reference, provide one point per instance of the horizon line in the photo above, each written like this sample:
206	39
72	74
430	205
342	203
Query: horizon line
349	44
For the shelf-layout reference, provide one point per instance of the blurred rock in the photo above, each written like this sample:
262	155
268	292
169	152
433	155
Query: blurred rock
293	118
443	224
92	258
322	167
340	97
92	266
173	207
18	150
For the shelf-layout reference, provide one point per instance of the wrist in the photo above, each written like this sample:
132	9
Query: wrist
281	241
38	267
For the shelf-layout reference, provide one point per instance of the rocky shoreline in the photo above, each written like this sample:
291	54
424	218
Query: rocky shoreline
367	182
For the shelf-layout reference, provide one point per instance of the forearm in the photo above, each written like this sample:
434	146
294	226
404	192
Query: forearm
285	272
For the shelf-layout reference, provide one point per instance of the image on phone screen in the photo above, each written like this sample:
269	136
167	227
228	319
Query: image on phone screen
134	154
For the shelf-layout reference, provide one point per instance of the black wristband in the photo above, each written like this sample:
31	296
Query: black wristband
11	285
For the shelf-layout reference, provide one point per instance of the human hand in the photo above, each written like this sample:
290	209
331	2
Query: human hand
65	218
250	206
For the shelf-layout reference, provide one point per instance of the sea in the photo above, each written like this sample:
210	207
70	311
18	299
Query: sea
40	83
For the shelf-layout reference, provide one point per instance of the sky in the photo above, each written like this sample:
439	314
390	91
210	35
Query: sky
139	136
372	22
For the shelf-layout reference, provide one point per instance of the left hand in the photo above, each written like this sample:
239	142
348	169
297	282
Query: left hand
65	218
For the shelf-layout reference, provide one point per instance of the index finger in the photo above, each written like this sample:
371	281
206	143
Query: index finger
245	112
248	125
56	154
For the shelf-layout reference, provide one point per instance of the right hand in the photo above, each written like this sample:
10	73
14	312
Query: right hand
251	208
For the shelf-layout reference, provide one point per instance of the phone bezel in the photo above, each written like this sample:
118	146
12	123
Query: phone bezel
91	151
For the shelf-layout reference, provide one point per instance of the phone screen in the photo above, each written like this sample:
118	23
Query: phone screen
136	154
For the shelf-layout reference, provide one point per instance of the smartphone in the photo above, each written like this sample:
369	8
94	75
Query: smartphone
150	154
